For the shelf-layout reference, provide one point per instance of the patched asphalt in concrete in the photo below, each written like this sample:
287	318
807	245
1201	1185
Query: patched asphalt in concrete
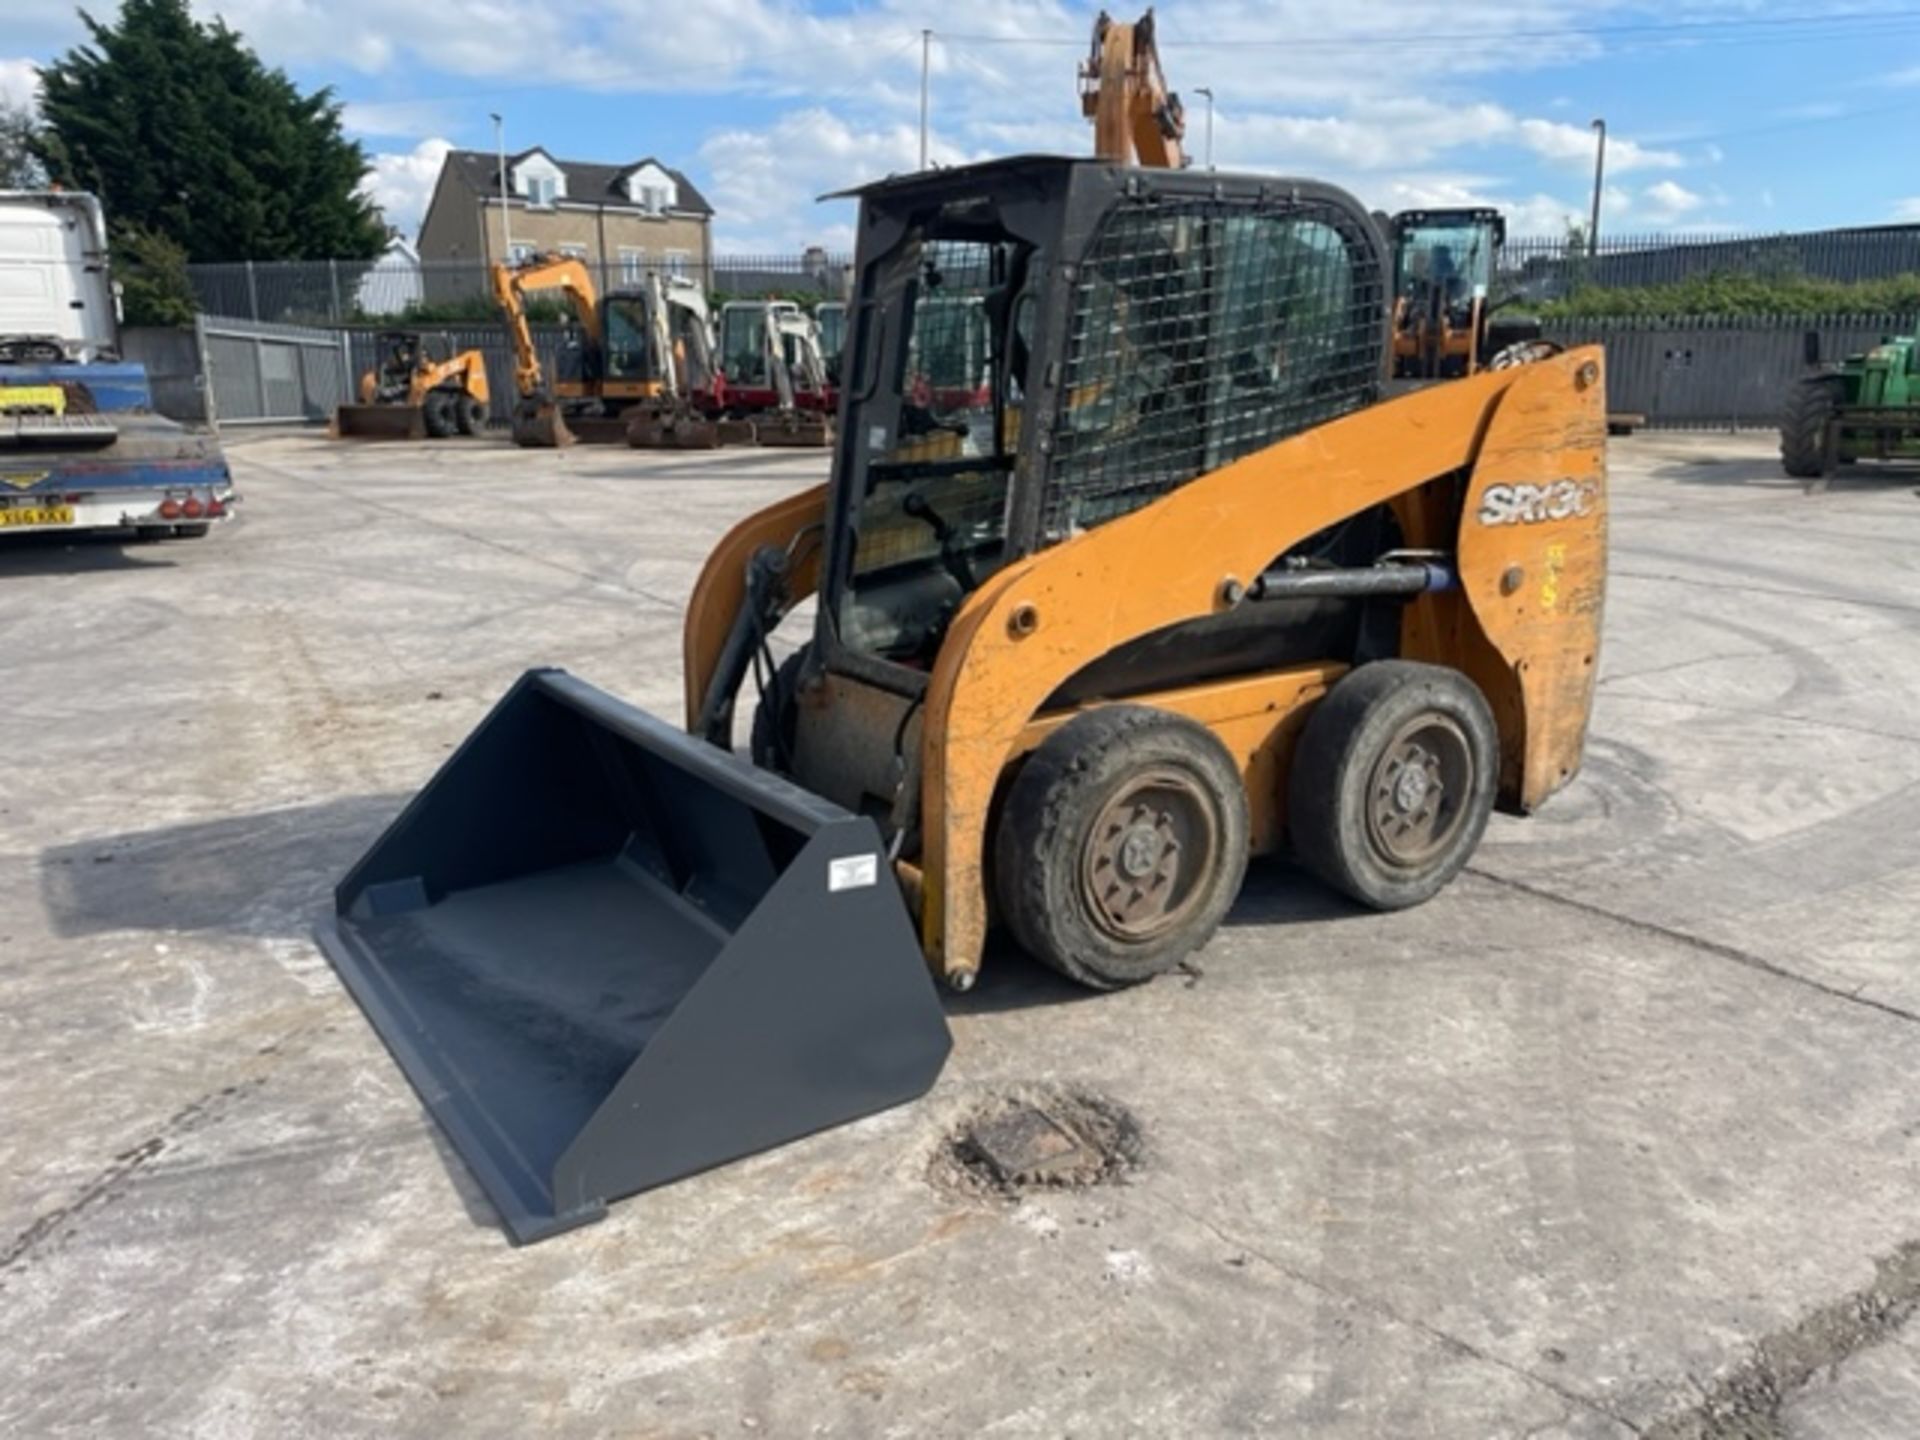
1563	1153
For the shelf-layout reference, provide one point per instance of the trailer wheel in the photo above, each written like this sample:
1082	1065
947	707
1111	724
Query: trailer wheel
1803	425
469	413
1122	845
438	413
1392	782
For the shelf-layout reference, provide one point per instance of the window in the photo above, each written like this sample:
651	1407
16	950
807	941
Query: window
1201	333
654	199
633	265
677	262
519	254
540	192
574	252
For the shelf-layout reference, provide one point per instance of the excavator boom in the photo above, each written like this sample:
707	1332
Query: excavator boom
1136	119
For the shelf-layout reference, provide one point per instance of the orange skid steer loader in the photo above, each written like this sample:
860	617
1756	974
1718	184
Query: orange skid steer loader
1175	587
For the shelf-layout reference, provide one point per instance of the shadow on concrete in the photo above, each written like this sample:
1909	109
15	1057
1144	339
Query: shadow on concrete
53	552
1749	474
269	873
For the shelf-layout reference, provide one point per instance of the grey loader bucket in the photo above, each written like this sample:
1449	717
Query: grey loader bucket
609	955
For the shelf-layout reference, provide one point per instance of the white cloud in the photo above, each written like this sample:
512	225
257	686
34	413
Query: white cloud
1907	210
387	118
1668	201
401	184
1908	76
19	84
1561	143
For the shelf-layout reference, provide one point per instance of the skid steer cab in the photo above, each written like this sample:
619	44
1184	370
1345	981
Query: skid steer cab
1159	584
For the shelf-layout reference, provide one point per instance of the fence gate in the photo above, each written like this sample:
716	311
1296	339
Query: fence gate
258	373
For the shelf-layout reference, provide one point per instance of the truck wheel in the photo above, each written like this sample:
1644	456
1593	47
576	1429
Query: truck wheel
1392	782
774	718
1803	425
438	413
469	414
1122	845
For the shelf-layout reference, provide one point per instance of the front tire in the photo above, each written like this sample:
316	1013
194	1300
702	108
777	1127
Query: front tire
1122	845
1803	426
1393	781
438	413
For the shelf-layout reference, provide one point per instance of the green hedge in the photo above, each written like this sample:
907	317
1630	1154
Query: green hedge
1730	293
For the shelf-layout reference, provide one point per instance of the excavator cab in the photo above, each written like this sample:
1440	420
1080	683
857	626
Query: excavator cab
1165	584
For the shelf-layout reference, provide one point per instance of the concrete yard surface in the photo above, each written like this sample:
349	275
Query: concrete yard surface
1619	1136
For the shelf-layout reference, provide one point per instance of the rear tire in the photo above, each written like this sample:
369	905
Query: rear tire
1392	782
1122	845
438	413
469	414
1803	426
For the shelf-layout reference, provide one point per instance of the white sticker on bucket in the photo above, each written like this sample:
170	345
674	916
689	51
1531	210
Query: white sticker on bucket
855	872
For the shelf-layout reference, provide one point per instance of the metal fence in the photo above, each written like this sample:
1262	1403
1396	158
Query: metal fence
1550	269
263	373
346	292
1540	268
1711	372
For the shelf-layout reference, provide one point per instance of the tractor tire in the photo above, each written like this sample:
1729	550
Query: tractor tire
470	414
1121	846
1803	426
438	413
1392	782
775	722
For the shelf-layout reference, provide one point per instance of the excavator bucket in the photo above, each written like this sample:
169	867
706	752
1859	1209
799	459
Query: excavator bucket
538	424
800	429
380	422
609	955
671	427
599	429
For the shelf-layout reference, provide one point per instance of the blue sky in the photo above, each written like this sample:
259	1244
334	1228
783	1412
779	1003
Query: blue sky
1724	114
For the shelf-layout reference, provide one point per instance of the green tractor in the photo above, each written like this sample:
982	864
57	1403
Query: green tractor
1866	408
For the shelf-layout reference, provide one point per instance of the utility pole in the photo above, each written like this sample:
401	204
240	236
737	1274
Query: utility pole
1599	180
926	52
1207	91
506	211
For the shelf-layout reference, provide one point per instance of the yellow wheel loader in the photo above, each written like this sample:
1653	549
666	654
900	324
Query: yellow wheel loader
1176	589
410	395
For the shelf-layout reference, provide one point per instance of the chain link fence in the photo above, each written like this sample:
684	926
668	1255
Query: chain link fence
352	292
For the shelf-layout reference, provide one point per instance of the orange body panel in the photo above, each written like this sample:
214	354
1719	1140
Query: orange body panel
722	586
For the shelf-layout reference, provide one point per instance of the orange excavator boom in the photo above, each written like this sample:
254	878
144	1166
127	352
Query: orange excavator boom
1137	120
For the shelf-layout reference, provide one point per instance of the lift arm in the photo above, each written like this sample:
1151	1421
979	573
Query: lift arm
543	272
1136	119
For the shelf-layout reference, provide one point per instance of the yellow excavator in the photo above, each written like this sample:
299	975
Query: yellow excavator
1181	586
1136	119
609	361
410	395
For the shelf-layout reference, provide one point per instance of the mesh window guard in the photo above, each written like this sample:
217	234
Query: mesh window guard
1202	330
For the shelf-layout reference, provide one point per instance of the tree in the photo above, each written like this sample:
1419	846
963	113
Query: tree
185	135
20	168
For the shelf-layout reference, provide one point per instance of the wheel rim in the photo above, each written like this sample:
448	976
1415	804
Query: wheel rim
1417	793
1147	855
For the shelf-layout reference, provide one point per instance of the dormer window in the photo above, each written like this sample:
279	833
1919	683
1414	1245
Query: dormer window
654	199
540	192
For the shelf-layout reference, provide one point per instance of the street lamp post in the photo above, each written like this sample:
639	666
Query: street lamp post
1208	92
506	212
1599	179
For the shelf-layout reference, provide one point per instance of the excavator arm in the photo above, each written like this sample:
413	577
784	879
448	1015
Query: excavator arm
1136	119
543	272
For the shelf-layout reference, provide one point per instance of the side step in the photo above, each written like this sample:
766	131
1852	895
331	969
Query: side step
609	955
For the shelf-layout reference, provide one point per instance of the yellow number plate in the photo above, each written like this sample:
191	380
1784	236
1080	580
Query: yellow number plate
49	399
48	515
